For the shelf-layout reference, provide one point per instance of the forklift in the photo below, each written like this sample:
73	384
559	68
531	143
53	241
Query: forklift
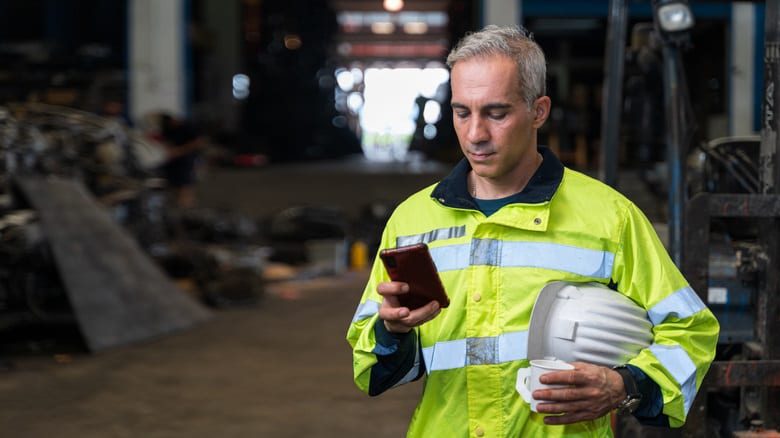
726	238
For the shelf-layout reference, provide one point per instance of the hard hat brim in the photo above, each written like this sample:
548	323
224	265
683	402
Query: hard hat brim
542	306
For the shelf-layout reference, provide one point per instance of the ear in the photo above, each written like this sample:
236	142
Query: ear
541	111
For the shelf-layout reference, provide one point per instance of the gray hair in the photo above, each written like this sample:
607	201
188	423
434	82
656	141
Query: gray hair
514	42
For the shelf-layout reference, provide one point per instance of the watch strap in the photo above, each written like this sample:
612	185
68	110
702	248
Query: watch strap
633	396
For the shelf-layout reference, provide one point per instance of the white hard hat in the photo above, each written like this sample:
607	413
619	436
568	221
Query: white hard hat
587	322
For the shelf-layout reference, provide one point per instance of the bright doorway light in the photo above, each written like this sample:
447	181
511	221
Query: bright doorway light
389	113
394	5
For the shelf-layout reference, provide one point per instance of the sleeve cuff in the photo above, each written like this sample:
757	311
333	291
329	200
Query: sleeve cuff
388	342
396	356
650	410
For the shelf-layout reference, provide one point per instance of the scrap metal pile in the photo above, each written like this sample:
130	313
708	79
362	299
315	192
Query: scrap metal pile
85	230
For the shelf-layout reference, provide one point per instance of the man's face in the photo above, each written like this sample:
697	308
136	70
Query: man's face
495	127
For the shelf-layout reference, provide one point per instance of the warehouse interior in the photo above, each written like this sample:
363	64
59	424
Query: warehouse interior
192	194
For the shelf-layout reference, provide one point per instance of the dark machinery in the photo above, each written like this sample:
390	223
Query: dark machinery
735	225
724	234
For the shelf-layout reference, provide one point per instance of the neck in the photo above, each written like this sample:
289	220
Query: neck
491	188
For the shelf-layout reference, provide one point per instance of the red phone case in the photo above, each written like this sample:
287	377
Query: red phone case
413	265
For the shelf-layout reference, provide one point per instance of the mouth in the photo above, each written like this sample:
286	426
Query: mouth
480	156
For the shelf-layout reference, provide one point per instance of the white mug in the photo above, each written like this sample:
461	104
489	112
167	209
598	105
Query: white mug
528	378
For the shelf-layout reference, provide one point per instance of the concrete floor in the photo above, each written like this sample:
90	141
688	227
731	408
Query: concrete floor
282	368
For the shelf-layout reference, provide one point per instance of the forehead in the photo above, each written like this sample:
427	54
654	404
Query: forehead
488	78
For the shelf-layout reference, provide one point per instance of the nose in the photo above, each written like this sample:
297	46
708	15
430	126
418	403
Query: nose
477	131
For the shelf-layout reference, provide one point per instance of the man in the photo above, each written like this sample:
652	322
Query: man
508	220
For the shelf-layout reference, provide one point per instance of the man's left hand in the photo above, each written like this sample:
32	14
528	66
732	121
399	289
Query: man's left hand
592	391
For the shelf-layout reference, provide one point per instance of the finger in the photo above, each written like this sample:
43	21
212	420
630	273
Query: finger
390	301
406	317
392	288
566	394
570	408
563	378
565	413
424	313
429	318
392	313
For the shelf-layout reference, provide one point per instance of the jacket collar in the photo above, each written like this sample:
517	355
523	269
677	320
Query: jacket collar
452	191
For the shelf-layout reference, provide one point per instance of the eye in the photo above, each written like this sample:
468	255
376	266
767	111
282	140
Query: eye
461	114
497	115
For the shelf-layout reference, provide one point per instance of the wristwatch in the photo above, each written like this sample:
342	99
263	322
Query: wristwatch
633	396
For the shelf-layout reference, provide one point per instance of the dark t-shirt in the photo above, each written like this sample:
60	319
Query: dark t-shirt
180	171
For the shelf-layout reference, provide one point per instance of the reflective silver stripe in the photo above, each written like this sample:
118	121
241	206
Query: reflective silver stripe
430	236
481	351
512	346
682	304
366	310
582	261
445	355
485	252
450	258
476	351
415	368
681	367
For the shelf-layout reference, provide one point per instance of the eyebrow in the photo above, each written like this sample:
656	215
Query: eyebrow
488	107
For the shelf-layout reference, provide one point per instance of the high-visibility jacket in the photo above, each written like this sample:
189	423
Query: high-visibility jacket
568	227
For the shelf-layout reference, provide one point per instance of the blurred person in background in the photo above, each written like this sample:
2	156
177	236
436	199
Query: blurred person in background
183	147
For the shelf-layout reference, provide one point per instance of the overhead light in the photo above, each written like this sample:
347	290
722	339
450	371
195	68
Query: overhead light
673	20
345	79
415	27
394	5
357	75
382	27
292	42
432	112
241	86
429	131
673	16
354	102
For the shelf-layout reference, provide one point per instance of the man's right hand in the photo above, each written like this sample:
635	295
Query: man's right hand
400	319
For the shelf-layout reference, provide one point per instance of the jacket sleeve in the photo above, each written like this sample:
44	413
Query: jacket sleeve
685	330
380	359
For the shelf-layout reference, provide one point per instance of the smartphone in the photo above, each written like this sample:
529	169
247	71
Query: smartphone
414	266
